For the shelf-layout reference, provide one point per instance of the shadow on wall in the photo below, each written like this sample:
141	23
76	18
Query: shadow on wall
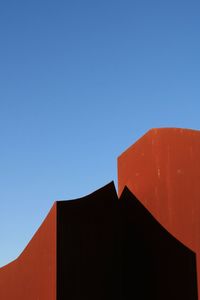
110	248
101	247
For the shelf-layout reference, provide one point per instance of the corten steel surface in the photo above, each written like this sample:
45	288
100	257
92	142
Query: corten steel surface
163	170
32	276
103	248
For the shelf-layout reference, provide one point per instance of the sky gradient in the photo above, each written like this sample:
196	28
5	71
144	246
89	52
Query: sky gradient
80	81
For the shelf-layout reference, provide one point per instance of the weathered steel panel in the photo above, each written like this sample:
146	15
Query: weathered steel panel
33	274
163	170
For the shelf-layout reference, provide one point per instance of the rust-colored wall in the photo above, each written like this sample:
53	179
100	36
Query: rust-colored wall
163	170
33	274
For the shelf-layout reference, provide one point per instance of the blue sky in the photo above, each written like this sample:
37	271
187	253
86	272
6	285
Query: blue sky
80	81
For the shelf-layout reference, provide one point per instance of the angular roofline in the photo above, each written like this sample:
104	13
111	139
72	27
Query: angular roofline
154	131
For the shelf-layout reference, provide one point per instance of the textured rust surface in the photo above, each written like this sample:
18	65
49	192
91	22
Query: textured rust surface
101	247
163	170
32	276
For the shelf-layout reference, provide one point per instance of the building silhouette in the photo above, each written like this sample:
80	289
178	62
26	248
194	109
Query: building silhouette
104	246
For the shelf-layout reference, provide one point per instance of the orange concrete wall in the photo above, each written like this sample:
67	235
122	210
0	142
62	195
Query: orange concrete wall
32	276
163	170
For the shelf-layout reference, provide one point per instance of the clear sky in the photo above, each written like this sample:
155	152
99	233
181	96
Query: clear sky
80	81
